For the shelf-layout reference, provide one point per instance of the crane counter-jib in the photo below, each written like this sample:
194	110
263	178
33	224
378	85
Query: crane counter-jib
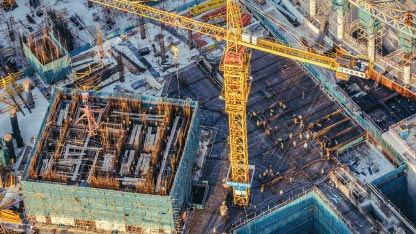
218	33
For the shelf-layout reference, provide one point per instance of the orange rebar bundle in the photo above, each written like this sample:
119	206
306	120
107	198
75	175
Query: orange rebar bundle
10	216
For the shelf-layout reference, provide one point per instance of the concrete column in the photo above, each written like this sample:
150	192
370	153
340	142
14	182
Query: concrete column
8	140
406	73
340	24
15	128
142	23
190	41
162	48
312	8
29	97
371	47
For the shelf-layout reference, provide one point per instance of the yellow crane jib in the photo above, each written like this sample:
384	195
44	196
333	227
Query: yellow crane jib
250	41
236	67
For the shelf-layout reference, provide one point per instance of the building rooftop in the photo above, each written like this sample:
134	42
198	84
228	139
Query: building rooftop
405	131
366	161
123	142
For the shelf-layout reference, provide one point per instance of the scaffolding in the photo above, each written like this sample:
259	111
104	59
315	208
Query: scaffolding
126	165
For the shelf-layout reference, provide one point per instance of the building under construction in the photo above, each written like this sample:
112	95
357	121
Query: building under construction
112	162
47	56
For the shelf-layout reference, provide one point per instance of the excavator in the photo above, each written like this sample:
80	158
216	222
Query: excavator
235	64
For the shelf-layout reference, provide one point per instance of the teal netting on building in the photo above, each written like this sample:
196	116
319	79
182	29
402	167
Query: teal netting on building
64	205
371	25
53	71
394	186
307	214
407	43
4	155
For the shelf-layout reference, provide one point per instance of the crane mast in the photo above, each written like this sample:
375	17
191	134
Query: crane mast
236	67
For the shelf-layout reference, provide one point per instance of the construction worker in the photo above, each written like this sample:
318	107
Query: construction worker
265	173
268	132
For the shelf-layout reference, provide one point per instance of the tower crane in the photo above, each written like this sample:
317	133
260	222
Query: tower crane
237	81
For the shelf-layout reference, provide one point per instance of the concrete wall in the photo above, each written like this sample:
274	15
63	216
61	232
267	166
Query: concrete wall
411	193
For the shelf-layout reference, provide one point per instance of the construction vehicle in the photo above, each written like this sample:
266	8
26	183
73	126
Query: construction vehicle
237	81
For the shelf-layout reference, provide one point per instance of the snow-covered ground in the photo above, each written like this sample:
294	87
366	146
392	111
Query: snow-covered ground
184	57
29	123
